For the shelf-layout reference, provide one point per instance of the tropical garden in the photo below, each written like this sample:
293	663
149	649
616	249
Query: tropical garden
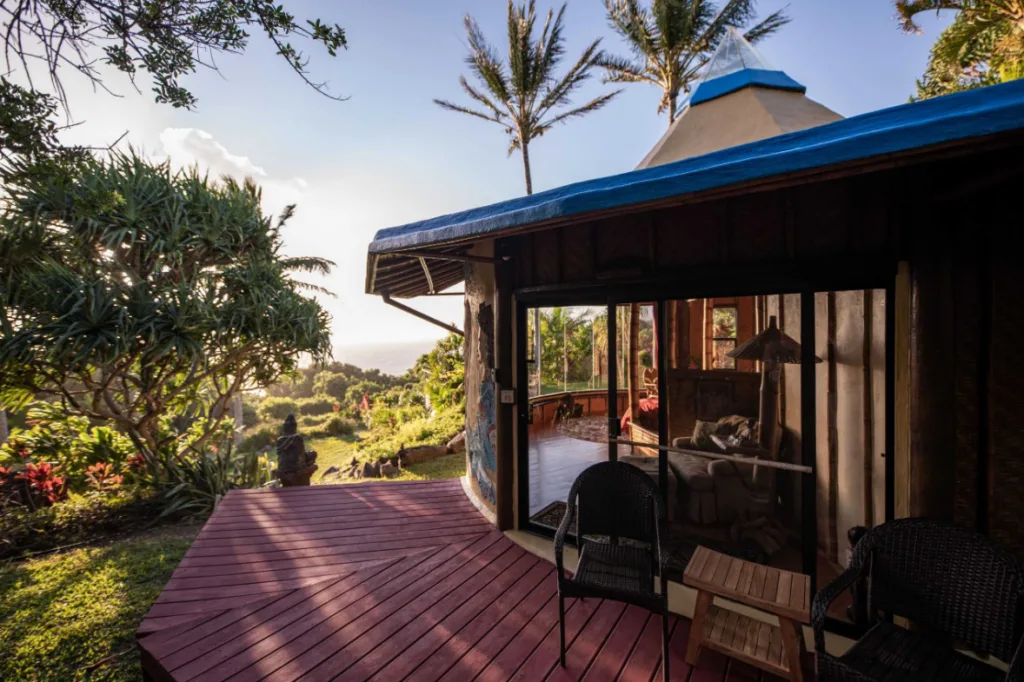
154	333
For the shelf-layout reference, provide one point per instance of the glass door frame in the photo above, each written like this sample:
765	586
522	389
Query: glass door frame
660	294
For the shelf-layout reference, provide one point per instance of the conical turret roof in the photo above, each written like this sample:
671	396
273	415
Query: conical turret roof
741	98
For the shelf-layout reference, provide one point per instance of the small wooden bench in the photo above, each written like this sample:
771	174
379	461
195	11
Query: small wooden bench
778	649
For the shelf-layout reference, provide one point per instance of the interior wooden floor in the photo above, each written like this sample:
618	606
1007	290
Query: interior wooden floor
556	461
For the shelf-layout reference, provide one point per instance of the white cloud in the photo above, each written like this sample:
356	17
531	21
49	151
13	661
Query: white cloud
186	146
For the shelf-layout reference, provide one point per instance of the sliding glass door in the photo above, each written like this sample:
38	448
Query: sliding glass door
763	418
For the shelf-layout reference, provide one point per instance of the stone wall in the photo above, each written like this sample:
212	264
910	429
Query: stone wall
481	398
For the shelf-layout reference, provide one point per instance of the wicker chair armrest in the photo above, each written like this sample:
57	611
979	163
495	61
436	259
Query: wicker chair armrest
1015	673
825	597
563	530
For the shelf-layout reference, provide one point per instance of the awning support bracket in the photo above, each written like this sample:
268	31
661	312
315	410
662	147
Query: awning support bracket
460	257
426	271
423	316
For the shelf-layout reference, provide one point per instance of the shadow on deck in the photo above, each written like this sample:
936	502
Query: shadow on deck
388	581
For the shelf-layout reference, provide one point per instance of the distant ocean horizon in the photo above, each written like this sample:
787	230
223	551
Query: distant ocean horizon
389	358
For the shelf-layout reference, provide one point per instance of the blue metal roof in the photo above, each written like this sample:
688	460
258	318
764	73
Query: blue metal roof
718	87
985	111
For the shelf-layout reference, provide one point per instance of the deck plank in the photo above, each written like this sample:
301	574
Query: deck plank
400	581
504	648
463	632
613	655
388	638
591	638
302	642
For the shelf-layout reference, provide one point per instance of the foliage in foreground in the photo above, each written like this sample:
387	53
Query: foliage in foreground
147	299
168	40
61	614
984	45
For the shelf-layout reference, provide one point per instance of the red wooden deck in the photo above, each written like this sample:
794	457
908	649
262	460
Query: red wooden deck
388	581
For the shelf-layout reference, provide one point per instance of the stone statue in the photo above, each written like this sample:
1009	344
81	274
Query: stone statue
295	466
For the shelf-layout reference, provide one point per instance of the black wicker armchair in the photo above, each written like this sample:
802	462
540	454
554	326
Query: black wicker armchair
616	509
955	586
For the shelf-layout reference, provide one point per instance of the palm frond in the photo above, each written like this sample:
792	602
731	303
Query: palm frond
906	10
550	49
485	63
513	145
770	25
592	105
633	23
559	93
311	264
306	286
621	70
735	13
482	98
444	104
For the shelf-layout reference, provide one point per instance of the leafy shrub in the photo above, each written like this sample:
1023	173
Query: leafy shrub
433	430
101	476
250	414
276	409
42	484
316	422
332	425
260	437
81	517
71	444
317	405
199	481
339	426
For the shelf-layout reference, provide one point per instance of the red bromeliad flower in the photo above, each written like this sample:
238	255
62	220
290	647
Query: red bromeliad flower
102	477
6	473
42	478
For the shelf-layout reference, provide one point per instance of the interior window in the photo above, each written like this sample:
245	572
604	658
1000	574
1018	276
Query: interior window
723	336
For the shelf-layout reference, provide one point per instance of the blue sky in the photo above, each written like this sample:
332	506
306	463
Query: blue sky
388	155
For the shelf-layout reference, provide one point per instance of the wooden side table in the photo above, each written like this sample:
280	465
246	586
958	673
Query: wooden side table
777	649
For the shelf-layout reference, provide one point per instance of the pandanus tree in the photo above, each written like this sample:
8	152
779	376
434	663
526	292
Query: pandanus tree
147	298
522	93
984	44
672	40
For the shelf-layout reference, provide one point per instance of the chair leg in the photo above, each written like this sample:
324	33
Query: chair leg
664	645
561	630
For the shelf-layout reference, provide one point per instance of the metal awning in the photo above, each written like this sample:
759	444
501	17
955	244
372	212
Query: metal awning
900	131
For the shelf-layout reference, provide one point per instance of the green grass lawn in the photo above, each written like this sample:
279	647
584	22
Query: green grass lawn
449	466
72	616
338	452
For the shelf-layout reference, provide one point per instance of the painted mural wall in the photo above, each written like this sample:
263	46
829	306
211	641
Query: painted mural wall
481	401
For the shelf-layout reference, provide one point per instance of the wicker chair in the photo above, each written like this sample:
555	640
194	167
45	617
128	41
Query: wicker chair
616	509
954	585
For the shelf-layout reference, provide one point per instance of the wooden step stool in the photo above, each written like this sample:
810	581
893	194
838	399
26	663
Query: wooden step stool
779	649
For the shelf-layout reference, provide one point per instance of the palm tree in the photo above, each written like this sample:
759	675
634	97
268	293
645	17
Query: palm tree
674	39
523	94
983	45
